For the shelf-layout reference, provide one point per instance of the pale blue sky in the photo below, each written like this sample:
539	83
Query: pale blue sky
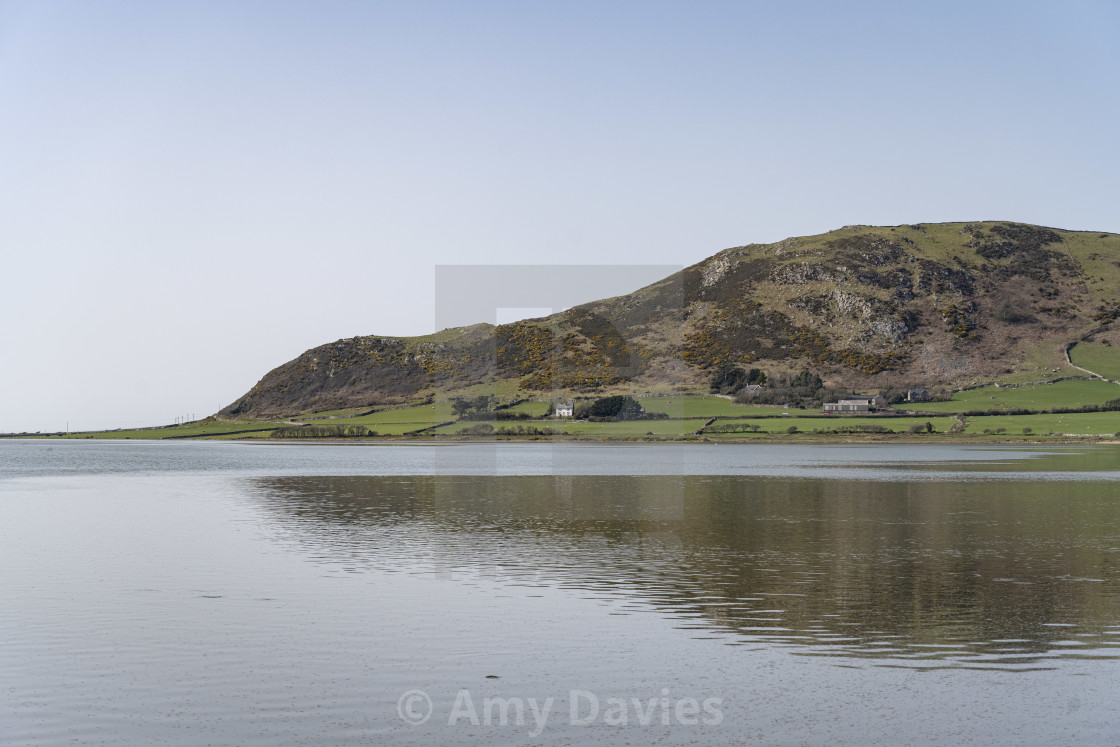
193	193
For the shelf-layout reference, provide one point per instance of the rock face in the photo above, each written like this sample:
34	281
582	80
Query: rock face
923	305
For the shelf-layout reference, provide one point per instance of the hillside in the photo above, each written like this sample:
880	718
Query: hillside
932	305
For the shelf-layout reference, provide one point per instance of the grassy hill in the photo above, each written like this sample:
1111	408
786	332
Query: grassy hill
939	306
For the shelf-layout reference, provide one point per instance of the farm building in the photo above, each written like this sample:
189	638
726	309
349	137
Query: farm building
564	409
917	395
847	406
873	400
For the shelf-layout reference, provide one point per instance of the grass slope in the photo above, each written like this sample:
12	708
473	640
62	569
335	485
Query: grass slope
702	406
188	430
1041	397
1098	358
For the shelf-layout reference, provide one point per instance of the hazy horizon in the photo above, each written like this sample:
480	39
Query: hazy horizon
195	193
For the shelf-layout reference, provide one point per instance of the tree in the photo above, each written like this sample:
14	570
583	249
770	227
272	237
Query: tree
807	380
727	379
618	407
479	406
756	376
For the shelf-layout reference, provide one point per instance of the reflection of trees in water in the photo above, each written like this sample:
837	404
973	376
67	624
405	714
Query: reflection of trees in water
930	569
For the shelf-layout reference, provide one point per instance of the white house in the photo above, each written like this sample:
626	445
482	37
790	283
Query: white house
564	410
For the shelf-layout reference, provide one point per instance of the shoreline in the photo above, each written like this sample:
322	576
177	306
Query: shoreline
790	440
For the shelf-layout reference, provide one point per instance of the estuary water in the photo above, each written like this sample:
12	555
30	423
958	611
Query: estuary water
513	593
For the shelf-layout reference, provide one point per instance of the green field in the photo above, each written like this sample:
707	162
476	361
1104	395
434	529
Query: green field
196	429
1096	423
668	428
702	406
505	390
1041	397
1098	358
397	429
1079	423
254	436
394	420
1099	423
335	413
534	409
809	424
636	428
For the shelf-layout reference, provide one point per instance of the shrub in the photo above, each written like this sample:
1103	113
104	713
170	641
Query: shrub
1027	431
322	431
851	429
480	429
1006	411
733	428
618	407
727	379
505	415
523	430
472	409
808	380
894	396
791	429
1008	314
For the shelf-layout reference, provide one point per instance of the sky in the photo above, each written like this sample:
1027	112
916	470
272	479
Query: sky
193	193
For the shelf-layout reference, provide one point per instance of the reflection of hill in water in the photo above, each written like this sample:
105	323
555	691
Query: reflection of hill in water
1000	574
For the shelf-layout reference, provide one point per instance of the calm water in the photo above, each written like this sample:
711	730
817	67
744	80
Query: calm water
218	593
